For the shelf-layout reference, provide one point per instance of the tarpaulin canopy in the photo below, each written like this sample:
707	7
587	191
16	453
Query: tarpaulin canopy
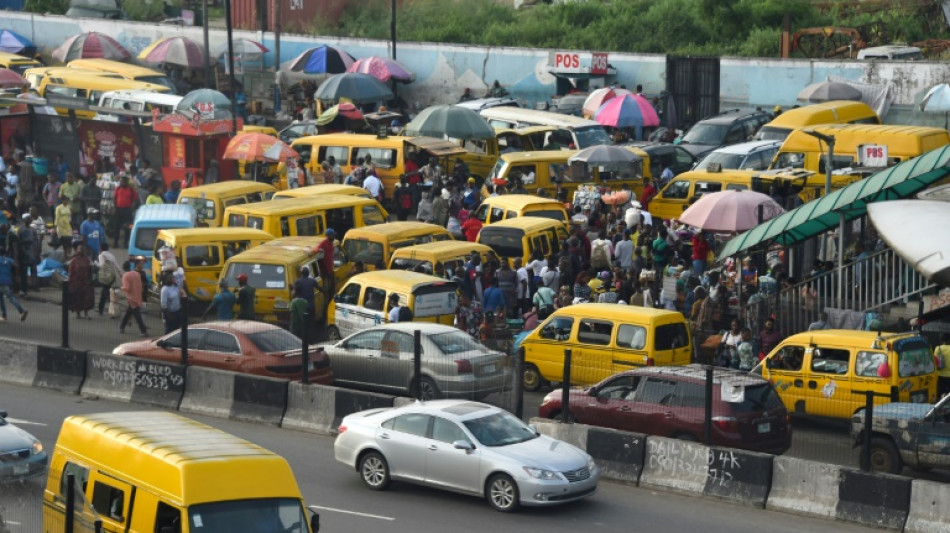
903	180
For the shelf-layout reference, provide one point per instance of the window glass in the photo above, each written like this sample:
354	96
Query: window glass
368	340
594	332
236	221
339	153
369	252
558	328
677	190
689	395
285	226
620	388
398	343
830	360
255	222
447	431
758	398
914	358
255	197
308	226
412	423
174	340
525	173
108	501
350	294
167	518
497	214
382	157
340	219
259	276
655	390
706	187
372	215
375	299
671	336
145	238
219	341
81	473
196	256
839	162
481	214
511	214
631	336
790	160
867	363
788	358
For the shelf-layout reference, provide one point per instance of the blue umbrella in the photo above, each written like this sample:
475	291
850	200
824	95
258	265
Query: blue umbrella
14	43
322	60
358	88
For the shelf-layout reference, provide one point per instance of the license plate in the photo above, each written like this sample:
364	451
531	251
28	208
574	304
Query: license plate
488	369
21	469
765	427
919	396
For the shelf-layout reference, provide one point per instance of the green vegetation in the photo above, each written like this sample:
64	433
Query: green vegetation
680	27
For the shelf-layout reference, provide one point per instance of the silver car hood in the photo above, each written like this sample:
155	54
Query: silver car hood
545	452
14	438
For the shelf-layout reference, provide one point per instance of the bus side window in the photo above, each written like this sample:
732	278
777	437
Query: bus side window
167	519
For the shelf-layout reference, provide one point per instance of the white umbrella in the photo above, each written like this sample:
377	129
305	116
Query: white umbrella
937	100
908	227
829	90
246	49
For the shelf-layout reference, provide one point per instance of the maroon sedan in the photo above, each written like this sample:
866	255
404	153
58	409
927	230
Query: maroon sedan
239	346
669	401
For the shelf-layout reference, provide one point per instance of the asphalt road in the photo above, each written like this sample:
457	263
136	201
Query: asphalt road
345	505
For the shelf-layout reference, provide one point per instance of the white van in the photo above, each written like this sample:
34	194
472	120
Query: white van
752	155
134	100
571	130
892	51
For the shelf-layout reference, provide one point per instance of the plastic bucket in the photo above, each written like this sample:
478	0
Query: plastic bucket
41	165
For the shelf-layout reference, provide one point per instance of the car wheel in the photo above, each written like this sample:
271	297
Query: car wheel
428	390
502	493
884	456
333	334
532	378
374	471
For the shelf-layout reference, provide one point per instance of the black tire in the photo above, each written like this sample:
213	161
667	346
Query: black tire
374	471
532	378
333	334
688	437
884	456
502	493
428	390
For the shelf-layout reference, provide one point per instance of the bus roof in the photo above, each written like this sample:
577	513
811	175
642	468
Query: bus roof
535	117
525	224
211	234
145	96
297	205
518	201
399	229
543	156
111	65
593	310
164	213
822	111
389	278
226	186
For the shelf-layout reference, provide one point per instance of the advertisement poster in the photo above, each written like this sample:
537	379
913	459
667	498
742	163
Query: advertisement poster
99	140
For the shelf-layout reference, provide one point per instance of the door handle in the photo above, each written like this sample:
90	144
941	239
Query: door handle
799	383
433	447
384	436
229	359
813	385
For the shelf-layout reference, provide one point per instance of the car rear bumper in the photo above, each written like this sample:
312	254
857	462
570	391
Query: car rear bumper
478	387
537	493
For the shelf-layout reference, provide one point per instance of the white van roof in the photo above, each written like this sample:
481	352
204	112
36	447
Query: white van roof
891	51
144	96
536	118
746	147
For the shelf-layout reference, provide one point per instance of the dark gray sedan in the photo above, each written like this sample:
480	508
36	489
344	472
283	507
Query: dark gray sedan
22	455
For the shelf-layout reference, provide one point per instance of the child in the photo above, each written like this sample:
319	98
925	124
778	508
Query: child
747	358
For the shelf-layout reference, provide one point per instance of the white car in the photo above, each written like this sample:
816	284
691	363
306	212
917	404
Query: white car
752	155
468	447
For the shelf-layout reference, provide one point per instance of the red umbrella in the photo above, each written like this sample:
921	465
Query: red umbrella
382	68
10	79
93	45
730	211
180	51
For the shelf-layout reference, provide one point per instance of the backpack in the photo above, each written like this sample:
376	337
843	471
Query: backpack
599	258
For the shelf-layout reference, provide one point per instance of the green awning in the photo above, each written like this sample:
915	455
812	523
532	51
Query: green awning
816	217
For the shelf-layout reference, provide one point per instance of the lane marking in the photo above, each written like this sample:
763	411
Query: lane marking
24	422
344	511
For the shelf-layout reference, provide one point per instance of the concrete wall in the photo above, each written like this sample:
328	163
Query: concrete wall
443	71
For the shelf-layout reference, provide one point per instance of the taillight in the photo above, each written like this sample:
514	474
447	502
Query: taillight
464	366
650	361
341	429
727	424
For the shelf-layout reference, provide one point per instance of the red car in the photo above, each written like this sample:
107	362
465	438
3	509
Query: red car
239	346
669	401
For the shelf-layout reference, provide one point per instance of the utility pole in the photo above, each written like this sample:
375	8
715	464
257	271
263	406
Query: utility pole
277	17
204	20
227	17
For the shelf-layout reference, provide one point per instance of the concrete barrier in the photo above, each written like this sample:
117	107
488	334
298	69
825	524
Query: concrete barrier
349	401
873	499
60	369
310	408
158	383
929	512
618	453
804	487
677	465
259	399
575	434
739	476
208	391
109	376
17	361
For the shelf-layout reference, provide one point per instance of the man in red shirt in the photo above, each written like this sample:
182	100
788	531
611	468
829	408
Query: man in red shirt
649	191
124	197
471	228
326	262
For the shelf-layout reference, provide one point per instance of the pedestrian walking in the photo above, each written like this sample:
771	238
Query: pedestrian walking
6	287
92	232
81	291
109	274
125	199
298	313
245	298
132	288
170	300
222	303
69	192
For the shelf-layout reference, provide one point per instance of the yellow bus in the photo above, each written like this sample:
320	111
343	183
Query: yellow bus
89	87
306	217
126	70
17	63
833	112
374	245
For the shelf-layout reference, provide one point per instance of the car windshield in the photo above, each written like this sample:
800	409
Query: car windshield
277	515
725	160
711	134
499	429
164	81
772	133
591	136
505	241
914	357
275	340
452	342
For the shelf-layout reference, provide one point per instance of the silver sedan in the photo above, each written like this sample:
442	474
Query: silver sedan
465	447
454	365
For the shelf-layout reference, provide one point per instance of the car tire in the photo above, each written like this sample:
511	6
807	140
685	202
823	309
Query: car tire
374	471
502	493
884	457
333	334
428	390
532	378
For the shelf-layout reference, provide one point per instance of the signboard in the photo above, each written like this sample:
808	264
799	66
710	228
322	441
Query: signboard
598	63
114	140
592	63
205	109
872	155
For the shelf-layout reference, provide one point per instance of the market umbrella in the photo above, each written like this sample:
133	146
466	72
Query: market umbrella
180	51
322	60
730	211
91	45
206	102
599	97
449	121
937	100
609	157
346	109
383	69
355	87
246	49
627	111
829	90
11	80
257	147
14	43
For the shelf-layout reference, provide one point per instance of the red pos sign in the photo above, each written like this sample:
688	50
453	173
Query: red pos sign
598	63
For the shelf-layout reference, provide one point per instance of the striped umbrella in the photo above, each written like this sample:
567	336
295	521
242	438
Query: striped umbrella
93	45
11	80
180	51
599	97
257	147
382	68
322	60
627	111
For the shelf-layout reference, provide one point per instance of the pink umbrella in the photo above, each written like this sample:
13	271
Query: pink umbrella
382	68
11	80
599	97
730	211
180	51
92	45
627	111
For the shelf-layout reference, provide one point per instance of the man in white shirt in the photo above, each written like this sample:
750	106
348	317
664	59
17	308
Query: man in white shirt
523	289
374	185
624	251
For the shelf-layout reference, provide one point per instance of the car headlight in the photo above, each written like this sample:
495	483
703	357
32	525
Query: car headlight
591	465
540	473
37	448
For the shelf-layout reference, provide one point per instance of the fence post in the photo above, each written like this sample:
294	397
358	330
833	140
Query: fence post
868	418
566	389
305	350
518	384
64	315
184	332
417	363
70	503
707	419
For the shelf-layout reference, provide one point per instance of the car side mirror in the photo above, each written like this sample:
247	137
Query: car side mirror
534	429
463	445
336	298
314	520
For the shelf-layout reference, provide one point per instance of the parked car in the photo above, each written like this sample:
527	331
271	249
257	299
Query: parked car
299	128
454	365
906	434
466	447
239	346
730	127
752	155
22	455
569	104
670	402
